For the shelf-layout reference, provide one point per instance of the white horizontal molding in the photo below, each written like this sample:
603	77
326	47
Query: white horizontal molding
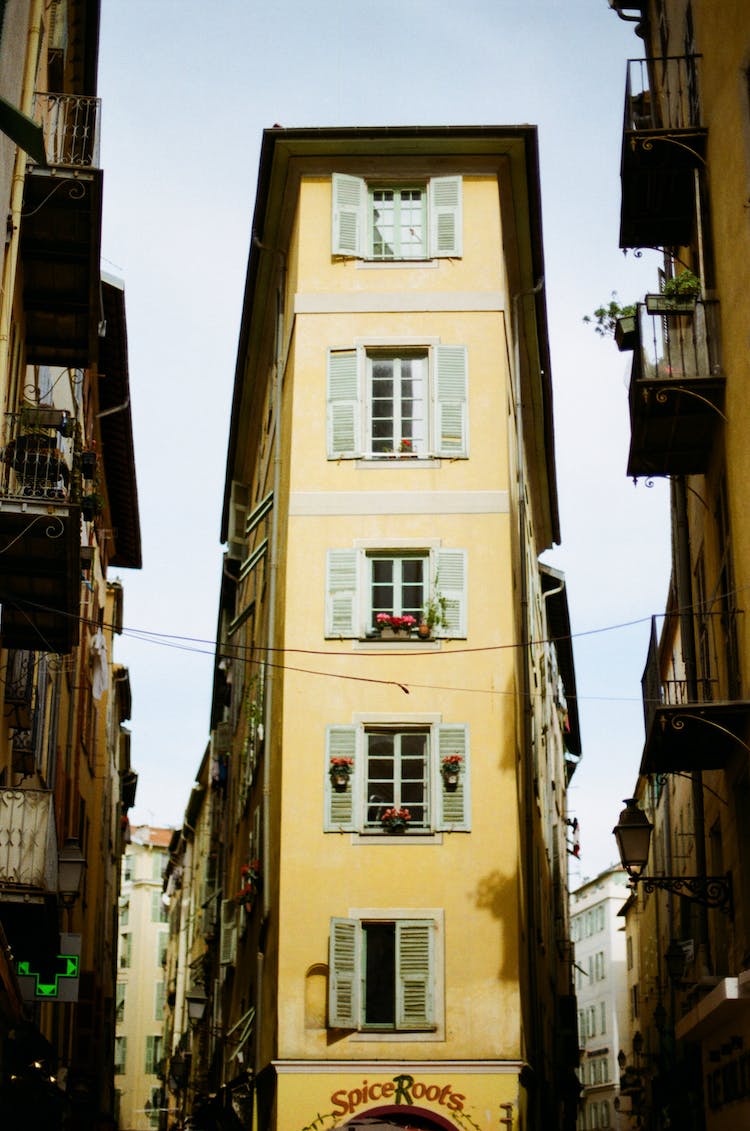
396	302
316	503
359	1066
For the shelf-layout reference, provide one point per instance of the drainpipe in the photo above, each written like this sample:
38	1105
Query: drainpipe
279	365
16	198
683	580
536	1081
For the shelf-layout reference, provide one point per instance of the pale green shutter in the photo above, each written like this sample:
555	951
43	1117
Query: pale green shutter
341	593
349	225
453	804
451	397
341	742
414	974
343	404
445	216
228	945
451	584
343	974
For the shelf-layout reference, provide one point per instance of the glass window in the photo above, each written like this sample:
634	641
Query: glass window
125	950
398	585
397	775
397	403
397	220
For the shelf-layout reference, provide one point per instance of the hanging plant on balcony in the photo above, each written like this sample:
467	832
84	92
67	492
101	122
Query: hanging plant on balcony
250	885
450	768
395	820
340	770
615	321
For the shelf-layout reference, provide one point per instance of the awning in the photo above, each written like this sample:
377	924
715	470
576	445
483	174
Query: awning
23	131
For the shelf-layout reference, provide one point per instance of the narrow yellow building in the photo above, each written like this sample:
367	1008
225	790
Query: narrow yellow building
392	736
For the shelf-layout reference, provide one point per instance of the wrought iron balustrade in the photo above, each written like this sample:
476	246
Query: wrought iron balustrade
662	94
38	459
672	346
70	124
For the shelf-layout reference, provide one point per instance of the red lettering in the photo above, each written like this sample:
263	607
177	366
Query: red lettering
376	1091
388	1090
418	1090
432	1093
444	1094
355	1097
340	1103
456	1102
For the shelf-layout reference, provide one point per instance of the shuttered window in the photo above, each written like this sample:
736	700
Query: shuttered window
382	974
397	767
389	404
360	584
396	221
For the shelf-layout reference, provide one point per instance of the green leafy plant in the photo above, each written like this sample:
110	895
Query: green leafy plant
684	285
605	318
434	610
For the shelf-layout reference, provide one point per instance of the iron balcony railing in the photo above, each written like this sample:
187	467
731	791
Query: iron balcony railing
70	124
675	346
717	674
662	94
38	459
28	842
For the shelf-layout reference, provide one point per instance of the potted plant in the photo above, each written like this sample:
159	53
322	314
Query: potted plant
434	613
250	885
91	505
679	295
395	820
340	770
394	626
615	321
450	768
88	465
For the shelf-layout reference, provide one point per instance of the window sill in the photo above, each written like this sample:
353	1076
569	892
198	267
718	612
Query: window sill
377	836
380	463
397	643
396	264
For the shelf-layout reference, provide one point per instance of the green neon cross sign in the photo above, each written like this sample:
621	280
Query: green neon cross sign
68	967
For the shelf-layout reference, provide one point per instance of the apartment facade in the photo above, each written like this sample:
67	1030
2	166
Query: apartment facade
601	964
68	513
394	715
685	167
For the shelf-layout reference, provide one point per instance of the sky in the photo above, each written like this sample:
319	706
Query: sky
187	89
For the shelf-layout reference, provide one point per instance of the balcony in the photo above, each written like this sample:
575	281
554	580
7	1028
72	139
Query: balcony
694	724
663	145
39	531
28	874
676	391
61	234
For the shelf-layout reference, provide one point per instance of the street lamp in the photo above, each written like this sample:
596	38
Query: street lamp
70	865
196	1004
633	836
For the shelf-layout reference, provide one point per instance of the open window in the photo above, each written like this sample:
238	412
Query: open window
397	220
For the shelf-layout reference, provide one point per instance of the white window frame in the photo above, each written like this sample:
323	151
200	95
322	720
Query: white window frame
448	809
445	400
352	216
348	607
433	1029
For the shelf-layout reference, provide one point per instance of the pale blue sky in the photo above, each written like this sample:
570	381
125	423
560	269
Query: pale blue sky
187	87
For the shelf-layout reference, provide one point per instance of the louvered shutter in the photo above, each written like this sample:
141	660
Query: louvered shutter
445	217
343	404
341	742
451	584
451	400
349	225
343	974
238	508
228	950
414	976
341	593
453	804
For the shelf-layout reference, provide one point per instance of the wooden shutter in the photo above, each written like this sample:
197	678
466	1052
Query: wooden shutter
228	950
341	593
451	399
340	806
453	804
445	217
349	224
343	405
414	974
343	974
451	584
238	508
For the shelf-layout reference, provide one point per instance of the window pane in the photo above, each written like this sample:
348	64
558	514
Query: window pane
397	775
412	587
379	973
382	404
383	212
380	775
382	586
